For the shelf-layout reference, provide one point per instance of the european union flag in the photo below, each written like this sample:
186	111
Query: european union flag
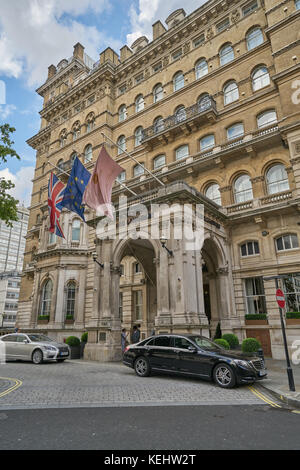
75	188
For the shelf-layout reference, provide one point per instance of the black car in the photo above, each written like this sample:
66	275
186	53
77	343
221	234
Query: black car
195	356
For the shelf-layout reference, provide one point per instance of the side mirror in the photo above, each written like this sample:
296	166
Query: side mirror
192	349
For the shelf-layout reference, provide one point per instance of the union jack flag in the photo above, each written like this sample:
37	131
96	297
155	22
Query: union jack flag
55	196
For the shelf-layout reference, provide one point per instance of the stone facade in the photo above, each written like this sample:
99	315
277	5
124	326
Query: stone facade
245	57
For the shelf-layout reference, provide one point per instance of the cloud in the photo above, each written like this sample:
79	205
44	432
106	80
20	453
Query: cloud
22	181
148	11
36	33
6	110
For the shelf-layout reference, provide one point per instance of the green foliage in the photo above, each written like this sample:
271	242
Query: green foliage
292	314
256	316
222	342
69	317
73	341
84	337
218	333
44	317
8	204
232	340
250	345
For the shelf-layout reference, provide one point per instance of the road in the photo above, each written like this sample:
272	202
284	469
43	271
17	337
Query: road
80	405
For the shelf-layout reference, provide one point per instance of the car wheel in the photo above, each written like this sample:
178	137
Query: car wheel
37	357
142	367
224	376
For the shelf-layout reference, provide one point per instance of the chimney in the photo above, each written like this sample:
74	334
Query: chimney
109	55
125	52
78	51
51	71
158	29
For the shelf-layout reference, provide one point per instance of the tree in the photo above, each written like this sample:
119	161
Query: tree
8	204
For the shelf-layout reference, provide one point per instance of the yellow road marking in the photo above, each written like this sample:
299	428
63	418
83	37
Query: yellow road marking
17	384
263	397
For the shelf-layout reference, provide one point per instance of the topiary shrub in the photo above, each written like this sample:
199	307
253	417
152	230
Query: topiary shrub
250	345
292	315
232	340
222	342
218	333
84	337
73	341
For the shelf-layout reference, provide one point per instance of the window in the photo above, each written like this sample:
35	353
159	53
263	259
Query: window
178	81
243	189
122	177
122	113
138	304
60	164
260	78
266	118
121	306
287	242
158	93
72	158
139	103
90	124
250	8
223	25
163	341
122	89
138	170
71	291
180	114
138	136
76	230
63	139
121	144
213	193
235	131
139	78
254	38
255	295
291	289
297	4
122	269
250	249
76	132
46	298
88	153
201	68
199	40
277	179
177	54
231	93
182	343
207	142
137	268
159	161
157	67
51	238
226	54
158	125
182	152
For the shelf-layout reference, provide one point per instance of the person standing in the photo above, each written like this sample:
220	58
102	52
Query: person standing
124	342
135	335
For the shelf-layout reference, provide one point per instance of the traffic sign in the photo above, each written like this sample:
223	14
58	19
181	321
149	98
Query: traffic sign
280	298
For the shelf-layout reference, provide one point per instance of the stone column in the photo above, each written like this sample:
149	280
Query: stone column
36	298
80	300
51	324
60	297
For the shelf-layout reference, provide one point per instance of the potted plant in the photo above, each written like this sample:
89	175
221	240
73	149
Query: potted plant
293	318
84	339
69	320
256	319
74	343
43	319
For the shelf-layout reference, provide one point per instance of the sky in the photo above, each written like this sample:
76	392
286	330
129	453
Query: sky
37	33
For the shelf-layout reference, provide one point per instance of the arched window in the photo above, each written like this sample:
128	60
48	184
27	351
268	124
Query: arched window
121	144
76	230
201	68
226	54
287	242
60	164
260	78
178	81
88	153
266	118
76	130
46	298
182	152
207	142
138	136
71	292
139	103
51	238
122	113
72	158
158	125
231	93
158	93
90	122
180	114
250	249
297	4
213	193
235	131
159	161
277	179
242	189
63	138
254	38
204	102
138	170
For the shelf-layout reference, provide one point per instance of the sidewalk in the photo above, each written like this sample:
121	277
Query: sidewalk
277	382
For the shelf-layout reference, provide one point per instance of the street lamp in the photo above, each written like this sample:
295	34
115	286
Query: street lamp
96	261
289	369
163	242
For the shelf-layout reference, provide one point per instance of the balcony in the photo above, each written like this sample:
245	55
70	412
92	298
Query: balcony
184	122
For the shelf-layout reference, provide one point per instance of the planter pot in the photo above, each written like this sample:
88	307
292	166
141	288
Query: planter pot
82	346
69	322
42	322
256	322
75	352
293	321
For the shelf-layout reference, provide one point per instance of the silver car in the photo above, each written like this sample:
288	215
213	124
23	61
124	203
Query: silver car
32	347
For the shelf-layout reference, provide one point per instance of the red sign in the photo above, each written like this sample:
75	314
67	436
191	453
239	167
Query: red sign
280	298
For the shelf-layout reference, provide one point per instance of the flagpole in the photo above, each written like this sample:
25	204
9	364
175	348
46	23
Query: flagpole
134	159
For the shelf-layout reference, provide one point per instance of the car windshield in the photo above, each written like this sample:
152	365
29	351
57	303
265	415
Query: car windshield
205	343
39	339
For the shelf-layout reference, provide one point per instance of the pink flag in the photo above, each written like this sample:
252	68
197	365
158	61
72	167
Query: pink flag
97	194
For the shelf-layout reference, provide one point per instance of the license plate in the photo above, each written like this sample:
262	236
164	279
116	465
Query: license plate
262	372
64	354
